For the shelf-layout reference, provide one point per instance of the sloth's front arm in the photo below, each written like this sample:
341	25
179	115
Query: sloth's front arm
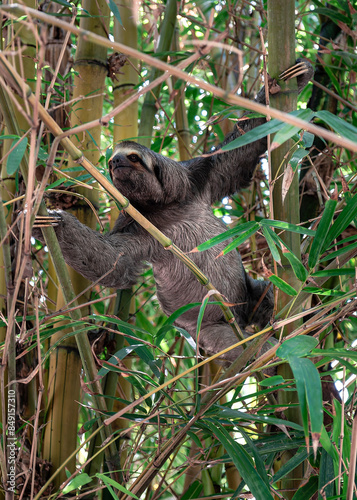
114	259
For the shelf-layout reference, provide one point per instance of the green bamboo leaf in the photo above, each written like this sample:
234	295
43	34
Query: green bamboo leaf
201	314
296	347
308	490
269	236
323	291
336	353
297	266
272	381
193	491
335	272
297	156
287	131
195	438
332	14
340	126
308	385
108	481
282	285
238	241
308	139
270	127
291	465
254	135
119	355
339	252
9	136
171	319
242	461
226	235
224	412
327	445
145	355
76	482
259	463
326	474
342	242
15	157
343	220
321	233
287	226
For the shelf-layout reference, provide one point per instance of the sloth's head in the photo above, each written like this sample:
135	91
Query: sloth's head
133	172
145	177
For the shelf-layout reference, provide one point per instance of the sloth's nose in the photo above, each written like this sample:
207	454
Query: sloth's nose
116	162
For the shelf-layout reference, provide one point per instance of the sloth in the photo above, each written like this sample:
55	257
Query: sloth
176	196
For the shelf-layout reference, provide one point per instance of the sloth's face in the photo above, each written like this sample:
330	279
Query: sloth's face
133	174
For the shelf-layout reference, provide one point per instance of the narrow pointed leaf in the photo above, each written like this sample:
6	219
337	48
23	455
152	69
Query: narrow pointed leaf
114	8
321	233
340	126
15	157
297	156
270	127
335	272
268	233
297	266
287	131
76	482
291	465
254	135
296	347
339	252
309	390
238	241
242	228
111	482
308	490
287	226
242	461
282	285
343	220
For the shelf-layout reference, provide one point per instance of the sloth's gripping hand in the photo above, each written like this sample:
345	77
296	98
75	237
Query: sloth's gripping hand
112	259
53	219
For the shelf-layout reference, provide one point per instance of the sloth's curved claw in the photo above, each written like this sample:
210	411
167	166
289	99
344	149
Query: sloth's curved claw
300	68
46	221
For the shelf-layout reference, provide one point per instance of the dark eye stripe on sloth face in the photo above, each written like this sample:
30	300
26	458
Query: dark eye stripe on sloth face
134	155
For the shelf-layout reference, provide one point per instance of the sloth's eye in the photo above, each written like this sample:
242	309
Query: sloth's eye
133	157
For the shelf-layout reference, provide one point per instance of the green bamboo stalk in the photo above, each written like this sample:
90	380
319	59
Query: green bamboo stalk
182	128
16	124
281	16
65	364
149	107
83	344
8	366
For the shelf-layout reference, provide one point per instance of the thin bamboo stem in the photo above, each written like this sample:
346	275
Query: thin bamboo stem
149	106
